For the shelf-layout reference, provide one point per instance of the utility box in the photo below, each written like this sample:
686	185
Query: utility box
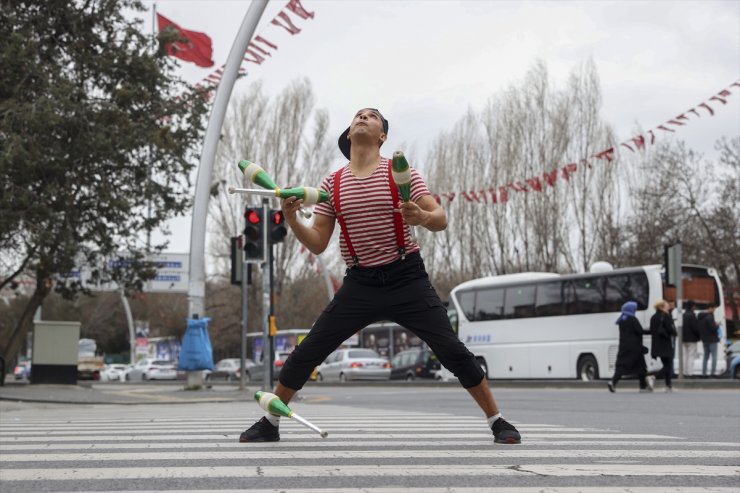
55	352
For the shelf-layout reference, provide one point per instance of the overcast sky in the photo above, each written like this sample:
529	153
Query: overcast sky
424	63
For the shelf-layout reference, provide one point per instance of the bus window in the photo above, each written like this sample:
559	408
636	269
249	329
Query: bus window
626	287
549	299
489	305
467	303
519	302
698	286
584	296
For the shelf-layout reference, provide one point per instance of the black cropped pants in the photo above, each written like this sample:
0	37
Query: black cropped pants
399	292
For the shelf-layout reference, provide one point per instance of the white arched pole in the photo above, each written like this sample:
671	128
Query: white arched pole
197	283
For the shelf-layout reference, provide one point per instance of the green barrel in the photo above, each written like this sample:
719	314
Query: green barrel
256	174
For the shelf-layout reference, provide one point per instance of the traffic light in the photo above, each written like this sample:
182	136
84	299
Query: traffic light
277	226
254	248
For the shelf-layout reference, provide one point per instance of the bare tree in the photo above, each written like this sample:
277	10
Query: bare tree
524	133
287	136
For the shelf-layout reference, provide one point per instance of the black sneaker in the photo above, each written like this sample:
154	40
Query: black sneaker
504	432
610	386
261	431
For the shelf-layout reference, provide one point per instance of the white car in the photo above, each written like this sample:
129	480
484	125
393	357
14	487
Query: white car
152	369
354	364
113	373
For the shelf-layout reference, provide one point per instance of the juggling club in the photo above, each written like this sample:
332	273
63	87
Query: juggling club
402	176
310	195
254	173
257	175
273	405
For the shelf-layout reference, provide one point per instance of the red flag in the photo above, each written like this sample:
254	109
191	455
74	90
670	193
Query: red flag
197	47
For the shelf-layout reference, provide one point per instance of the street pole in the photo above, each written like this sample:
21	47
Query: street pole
679	306
266	340
243	359
197	275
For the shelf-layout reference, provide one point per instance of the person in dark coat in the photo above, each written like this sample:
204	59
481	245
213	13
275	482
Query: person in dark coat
708	330
691	338
663	330
630	359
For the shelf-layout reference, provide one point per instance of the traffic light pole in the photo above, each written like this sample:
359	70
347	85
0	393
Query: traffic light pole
243	356
267	356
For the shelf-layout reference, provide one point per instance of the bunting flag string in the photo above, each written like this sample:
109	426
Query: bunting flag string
261	47
635	144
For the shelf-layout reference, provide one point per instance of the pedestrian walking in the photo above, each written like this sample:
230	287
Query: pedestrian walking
631	353
385	277
709	332
691	338
662	331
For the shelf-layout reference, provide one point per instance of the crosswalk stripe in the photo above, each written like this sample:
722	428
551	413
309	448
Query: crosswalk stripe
318	443
372	454
230	429
354	471
463	489
373	435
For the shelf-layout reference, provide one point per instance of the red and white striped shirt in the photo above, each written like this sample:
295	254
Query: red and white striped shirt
367	207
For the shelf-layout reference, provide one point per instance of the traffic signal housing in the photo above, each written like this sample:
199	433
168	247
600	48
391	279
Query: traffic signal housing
254	231
278	230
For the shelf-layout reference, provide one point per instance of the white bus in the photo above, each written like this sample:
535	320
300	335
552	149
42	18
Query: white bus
544	325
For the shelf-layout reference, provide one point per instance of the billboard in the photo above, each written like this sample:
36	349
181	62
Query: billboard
172	273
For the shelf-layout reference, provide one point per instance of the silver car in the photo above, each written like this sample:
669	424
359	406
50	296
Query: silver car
151	369
354	364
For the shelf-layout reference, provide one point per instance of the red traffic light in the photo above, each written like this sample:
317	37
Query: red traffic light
277	217
252	217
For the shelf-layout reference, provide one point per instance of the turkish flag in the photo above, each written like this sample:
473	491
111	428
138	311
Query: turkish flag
195	48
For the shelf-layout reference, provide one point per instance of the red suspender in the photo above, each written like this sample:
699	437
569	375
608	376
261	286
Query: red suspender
340	217
397	218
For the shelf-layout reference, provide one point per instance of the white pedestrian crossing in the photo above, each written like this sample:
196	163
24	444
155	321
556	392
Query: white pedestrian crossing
117	448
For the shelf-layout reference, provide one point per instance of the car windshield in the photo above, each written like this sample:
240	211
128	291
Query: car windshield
161	362
363	353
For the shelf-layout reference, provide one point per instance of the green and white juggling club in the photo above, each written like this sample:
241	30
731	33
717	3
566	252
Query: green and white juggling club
255	174
273	405
402	176
309	195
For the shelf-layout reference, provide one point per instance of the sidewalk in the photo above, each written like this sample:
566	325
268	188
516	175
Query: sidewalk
175	393
125	394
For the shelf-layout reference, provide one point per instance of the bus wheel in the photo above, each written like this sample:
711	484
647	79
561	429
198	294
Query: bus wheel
588	368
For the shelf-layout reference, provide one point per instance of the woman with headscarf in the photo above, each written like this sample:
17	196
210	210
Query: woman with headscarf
630	359
663	331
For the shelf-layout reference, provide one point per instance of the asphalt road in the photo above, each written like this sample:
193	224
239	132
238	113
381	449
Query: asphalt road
382	439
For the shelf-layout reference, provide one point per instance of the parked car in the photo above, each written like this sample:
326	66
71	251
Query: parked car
354	364
229	369
280	358
113	373
22	370
152	369
414	363
733	359
444	375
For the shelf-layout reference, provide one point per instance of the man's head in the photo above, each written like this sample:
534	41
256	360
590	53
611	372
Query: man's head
367	126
